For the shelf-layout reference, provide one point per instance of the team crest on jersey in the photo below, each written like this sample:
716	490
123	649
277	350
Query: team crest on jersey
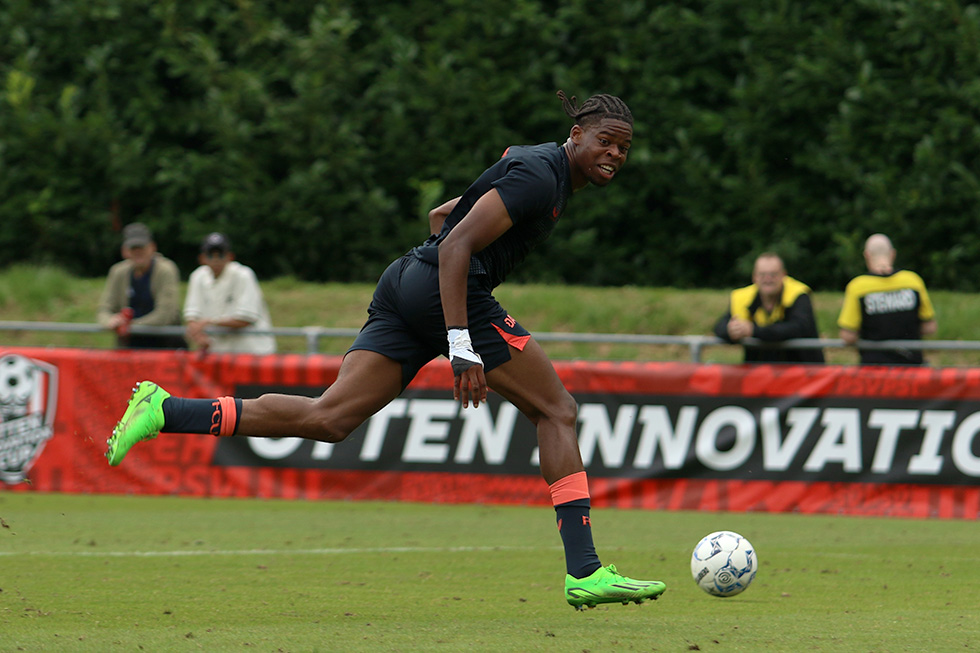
28	398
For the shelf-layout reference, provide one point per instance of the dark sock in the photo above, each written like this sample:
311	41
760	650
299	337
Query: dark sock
575	528
198	415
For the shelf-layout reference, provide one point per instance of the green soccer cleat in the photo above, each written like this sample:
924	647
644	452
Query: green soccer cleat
142	420
606	585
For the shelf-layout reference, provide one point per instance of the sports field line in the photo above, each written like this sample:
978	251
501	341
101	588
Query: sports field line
249	552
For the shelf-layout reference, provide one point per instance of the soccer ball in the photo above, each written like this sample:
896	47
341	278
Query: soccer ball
723	563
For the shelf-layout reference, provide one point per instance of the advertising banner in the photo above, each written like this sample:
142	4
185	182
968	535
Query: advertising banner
901	441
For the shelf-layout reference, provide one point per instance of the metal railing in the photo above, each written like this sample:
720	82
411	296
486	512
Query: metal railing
313	336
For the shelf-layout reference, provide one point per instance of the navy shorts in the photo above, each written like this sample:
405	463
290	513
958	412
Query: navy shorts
405	319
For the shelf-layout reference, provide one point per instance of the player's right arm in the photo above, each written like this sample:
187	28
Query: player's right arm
485	222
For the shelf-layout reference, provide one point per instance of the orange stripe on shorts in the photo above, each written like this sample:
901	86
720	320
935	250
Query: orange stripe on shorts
517	342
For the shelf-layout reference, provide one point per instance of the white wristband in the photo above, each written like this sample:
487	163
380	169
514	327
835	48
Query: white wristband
461	354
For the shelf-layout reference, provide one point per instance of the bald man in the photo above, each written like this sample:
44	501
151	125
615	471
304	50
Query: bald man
886	304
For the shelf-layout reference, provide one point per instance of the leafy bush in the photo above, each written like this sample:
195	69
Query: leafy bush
318	133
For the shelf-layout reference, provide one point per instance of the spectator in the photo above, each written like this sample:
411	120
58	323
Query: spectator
142	289
224	293
886	304
775	307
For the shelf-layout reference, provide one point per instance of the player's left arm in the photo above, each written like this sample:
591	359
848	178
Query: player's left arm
439	214
486	221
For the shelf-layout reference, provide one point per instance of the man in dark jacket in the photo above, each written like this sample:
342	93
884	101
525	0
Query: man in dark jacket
775	307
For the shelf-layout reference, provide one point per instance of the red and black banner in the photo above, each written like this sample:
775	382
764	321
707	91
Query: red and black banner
806	438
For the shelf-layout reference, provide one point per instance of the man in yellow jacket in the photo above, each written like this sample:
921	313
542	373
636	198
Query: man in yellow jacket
775	307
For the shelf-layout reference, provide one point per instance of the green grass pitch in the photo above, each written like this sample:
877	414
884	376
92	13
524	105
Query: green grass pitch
124	573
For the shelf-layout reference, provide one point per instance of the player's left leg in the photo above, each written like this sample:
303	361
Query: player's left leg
529	381
382	360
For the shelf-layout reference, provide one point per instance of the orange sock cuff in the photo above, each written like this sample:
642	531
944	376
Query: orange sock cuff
229	416
570	488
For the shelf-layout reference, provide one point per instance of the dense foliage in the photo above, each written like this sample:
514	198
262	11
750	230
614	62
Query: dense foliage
319	132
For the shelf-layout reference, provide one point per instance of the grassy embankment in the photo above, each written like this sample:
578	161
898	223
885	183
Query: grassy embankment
49	294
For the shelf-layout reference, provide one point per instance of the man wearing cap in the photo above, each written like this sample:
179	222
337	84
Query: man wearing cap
142	289
224	293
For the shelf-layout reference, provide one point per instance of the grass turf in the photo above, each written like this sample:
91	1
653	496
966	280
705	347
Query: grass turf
104	573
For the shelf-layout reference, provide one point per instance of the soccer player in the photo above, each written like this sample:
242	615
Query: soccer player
435	300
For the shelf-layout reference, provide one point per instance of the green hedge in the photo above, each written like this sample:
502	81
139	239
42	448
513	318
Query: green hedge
318	134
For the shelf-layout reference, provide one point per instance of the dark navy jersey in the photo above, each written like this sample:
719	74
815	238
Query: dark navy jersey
534	183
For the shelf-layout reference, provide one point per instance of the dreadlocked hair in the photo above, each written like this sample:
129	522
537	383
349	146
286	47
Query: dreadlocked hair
595	109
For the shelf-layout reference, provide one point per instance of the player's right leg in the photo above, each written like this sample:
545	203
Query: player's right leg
366	383
529	381
606	585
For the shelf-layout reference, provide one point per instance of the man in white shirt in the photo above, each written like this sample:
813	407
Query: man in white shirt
224	293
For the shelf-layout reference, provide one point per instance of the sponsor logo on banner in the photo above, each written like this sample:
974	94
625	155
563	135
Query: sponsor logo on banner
28	399
787	438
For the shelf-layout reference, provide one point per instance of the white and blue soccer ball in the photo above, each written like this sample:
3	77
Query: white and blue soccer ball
724	563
